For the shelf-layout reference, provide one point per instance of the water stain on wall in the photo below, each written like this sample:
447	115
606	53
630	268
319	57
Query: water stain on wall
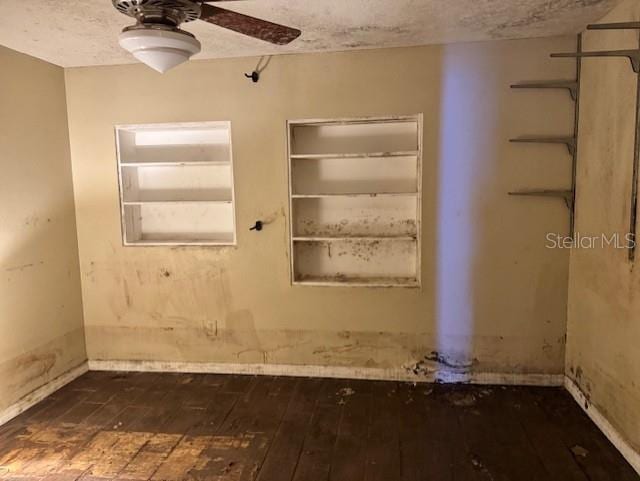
34	366
22	374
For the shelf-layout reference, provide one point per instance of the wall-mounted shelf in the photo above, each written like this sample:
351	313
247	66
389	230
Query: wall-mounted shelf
632	55
357	155
355	238
141	202
565	194
569	142
570	85
614	26
355	195
362	194
340	280
173	164
176	184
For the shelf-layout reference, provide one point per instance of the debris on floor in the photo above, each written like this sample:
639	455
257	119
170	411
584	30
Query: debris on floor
467	399
578	450
462	399
228	467
346	392
479	466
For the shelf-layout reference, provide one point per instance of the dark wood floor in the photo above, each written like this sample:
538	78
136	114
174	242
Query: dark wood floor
107	426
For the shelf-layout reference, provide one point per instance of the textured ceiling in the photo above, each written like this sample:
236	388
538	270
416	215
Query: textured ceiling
84	32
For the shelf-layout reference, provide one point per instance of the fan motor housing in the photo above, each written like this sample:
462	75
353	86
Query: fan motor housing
173	12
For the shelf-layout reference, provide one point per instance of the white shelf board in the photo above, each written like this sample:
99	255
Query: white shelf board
185	238
176	163
358	155
156	202
356	281
402	238
354	121
190	242
365	194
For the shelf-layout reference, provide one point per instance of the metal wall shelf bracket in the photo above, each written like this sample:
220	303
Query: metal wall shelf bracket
576	124
570	142
566	195
632	55
570	85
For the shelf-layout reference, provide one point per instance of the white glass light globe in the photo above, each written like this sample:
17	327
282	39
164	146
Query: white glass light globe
159	49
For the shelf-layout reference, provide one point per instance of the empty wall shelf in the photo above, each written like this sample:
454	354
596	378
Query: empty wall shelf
176	184
355	201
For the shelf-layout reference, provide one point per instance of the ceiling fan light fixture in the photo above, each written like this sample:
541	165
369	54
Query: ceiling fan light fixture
159	48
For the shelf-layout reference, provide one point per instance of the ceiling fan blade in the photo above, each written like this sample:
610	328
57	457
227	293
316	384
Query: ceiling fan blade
251	26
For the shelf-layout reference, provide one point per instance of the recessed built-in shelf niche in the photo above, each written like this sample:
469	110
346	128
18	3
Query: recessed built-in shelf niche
176	184
355	196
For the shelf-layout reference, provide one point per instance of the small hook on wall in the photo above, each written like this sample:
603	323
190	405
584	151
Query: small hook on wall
255	75
257	226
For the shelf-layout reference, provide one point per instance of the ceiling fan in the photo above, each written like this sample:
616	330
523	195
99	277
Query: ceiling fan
157	40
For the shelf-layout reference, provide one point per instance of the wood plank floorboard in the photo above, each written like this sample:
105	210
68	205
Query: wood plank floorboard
192	427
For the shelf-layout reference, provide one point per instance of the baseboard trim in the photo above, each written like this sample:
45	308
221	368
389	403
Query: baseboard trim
34	397
381	374
632	456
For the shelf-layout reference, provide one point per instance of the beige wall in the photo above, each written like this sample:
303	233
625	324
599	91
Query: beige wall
603	350
40	299
493	297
